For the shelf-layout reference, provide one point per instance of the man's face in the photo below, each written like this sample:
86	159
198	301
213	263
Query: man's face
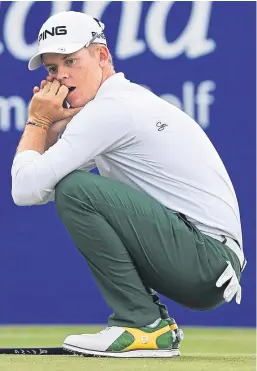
80	70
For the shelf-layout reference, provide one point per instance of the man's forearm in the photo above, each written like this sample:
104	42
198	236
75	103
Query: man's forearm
33	138
54	131
51	139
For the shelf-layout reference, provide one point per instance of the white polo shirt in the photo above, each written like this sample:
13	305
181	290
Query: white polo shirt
134	136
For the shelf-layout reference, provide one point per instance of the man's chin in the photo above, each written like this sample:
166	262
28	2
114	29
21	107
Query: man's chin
76	103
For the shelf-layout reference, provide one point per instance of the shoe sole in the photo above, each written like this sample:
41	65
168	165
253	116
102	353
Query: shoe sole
130	354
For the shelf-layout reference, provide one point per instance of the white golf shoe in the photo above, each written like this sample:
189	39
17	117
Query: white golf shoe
126	342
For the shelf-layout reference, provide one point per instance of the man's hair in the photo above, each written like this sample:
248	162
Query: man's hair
93	47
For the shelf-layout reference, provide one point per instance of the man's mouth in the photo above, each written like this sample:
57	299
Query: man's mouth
71	90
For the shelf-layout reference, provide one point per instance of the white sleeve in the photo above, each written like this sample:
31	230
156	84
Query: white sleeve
101	126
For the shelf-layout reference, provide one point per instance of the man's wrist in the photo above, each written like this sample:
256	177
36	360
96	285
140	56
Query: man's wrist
38	125
33	138
39	121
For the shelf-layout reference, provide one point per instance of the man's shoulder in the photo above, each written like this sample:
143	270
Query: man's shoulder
101	105
119	88
101	110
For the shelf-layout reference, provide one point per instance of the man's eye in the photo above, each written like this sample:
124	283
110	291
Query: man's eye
69	61
52	69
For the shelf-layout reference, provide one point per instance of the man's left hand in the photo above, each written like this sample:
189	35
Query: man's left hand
233	288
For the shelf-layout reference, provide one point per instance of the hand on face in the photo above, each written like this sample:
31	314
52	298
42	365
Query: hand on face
60	125
46	106
36	89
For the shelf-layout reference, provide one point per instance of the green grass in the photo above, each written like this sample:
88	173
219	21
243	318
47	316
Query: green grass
204	349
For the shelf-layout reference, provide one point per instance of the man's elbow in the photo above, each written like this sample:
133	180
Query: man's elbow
29	197
23	198
24	194
30	188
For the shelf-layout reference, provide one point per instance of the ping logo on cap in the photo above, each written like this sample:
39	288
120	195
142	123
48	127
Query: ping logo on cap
101	35
56	31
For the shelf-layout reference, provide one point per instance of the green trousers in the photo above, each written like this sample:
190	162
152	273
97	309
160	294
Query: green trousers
135	246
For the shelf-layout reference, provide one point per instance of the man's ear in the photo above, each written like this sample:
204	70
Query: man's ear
104	55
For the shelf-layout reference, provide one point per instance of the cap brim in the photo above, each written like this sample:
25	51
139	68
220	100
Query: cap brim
36	60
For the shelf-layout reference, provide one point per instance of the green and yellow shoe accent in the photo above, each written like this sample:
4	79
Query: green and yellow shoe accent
159	337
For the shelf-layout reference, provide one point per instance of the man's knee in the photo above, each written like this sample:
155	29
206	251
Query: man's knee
66	184
68	187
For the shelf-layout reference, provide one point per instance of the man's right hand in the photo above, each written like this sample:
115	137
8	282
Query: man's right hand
57	127
46	106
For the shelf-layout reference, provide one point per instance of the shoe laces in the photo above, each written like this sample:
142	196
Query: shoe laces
104	330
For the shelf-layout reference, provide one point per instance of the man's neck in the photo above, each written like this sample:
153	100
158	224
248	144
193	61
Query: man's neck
108	73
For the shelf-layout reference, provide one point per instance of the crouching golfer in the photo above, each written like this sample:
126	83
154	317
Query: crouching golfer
162	217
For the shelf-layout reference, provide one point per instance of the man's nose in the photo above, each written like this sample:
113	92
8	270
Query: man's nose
62	74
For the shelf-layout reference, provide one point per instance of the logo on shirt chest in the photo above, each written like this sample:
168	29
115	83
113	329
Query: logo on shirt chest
161	126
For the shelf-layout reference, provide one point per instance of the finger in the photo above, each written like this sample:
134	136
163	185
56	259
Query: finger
232	288
239	295
54	87
36	89
226	275
70	112
50	78
47	87
62	93
43	83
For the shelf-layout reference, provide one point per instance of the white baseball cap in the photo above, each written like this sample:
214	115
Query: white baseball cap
66	33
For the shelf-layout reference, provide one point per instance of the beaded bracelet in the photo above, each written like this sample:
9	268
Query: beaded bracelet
36	124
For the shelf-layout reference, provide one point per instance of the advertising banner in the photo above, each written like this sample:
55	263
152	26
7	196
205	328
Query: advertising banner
199	56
